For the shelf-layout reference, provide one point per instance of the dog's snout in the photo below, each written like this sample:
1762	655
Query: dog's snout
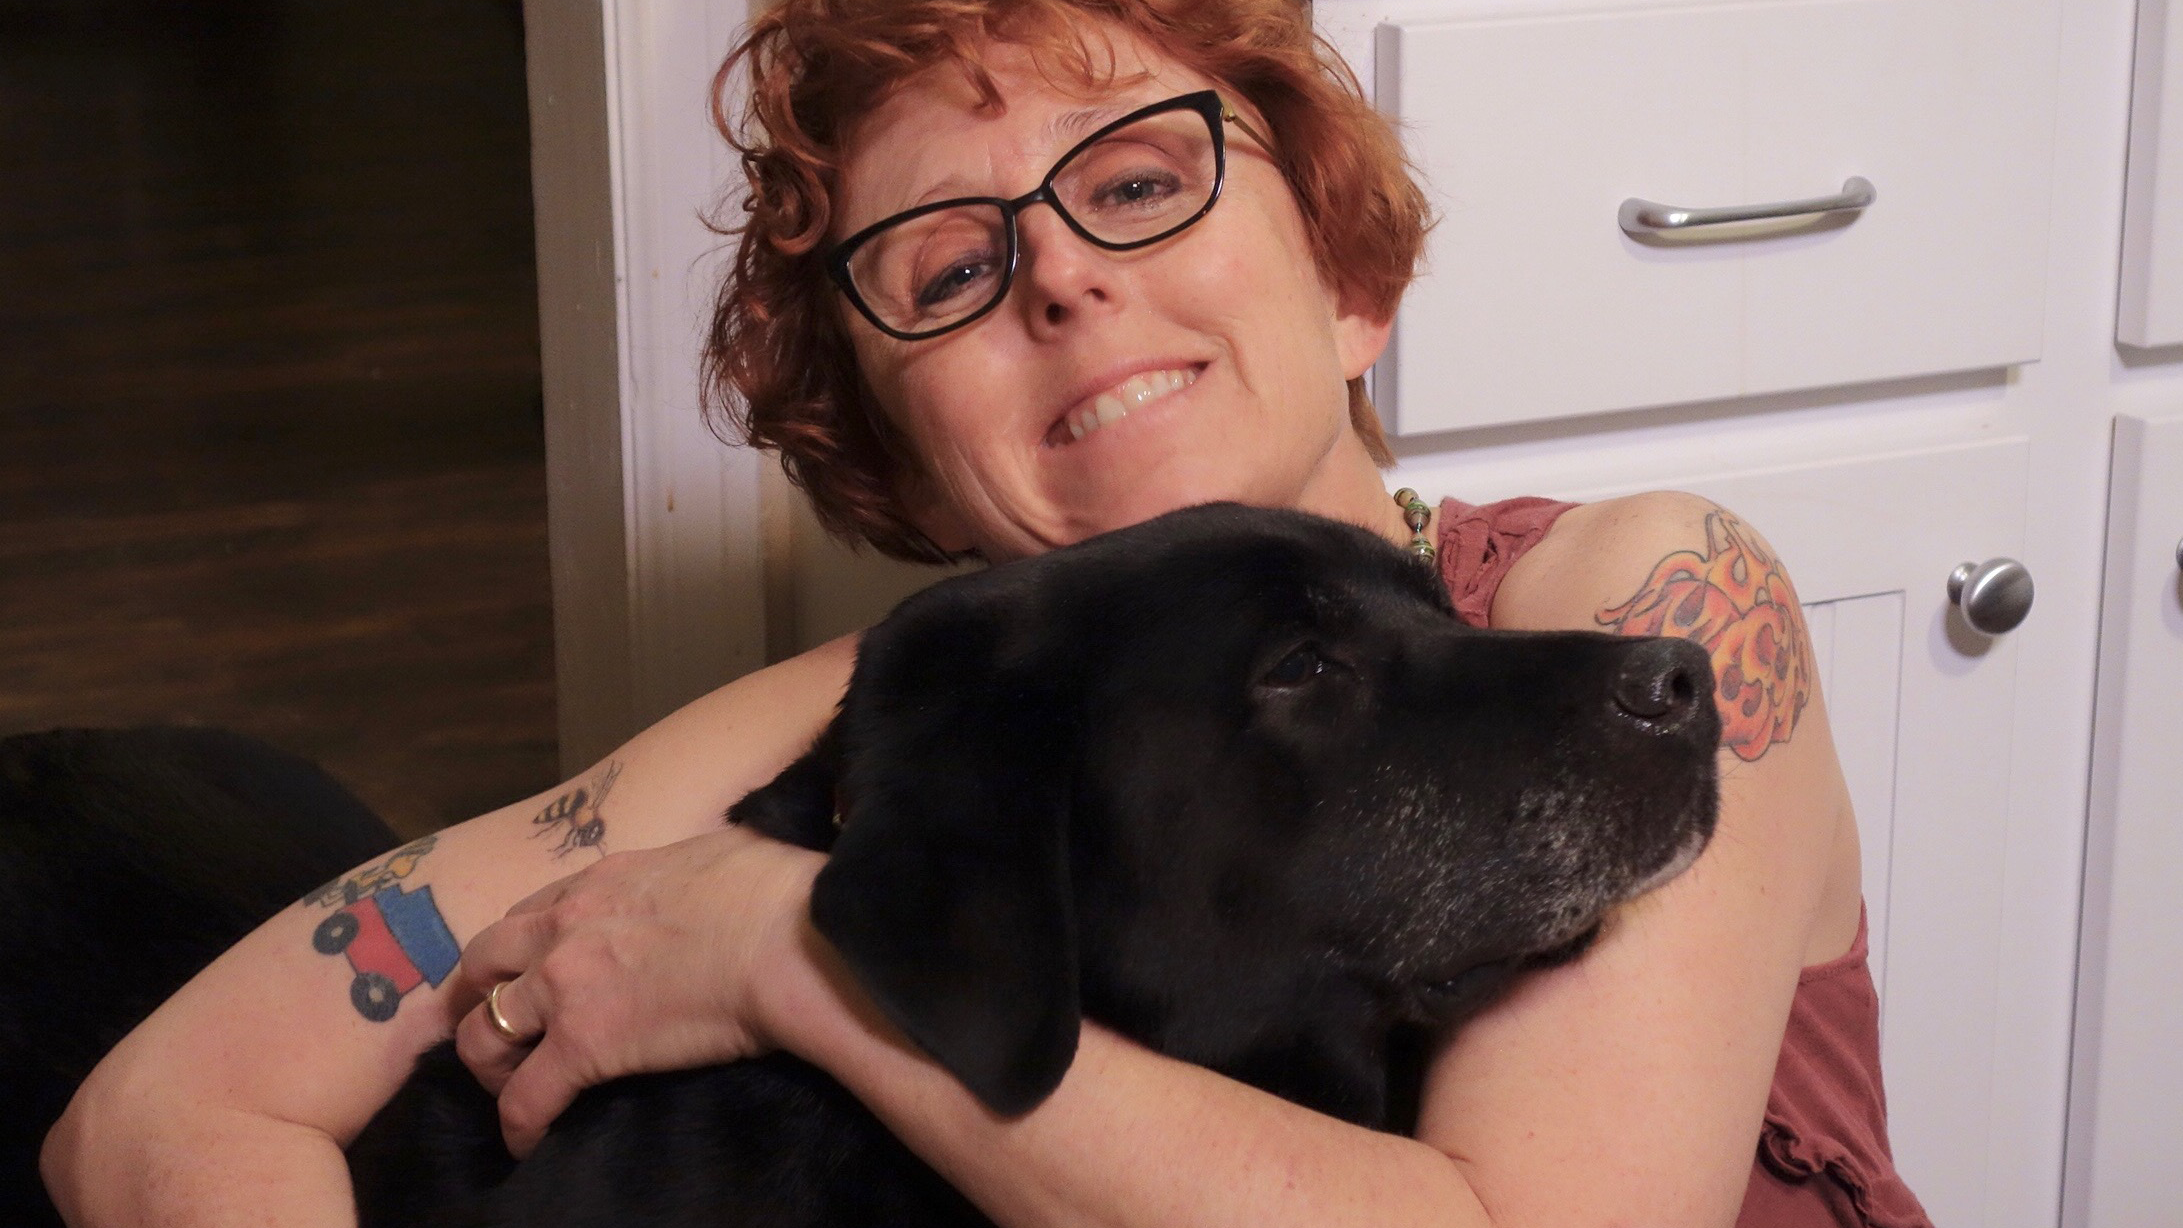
1662	680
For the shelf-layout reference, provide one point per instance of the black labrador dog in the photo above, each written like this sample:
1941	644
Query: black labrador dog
1235	783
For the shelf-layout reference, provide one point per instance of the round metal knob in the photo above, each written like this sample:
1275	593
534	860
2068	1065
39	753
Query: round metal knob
1994	595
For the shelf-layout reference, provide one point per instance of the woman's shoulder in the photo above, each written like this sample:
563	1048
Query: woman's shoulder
1613	564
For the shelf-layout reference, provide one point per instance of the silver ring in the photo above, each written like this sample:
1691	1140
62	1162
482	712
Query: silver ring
499	1021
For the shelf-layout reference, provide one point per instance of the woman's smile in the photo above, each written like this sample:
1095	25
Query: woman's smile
1119	400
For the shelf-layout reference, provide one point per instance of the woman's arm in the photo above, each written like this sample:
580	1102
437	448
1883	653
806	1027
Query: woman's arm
1130	1138
1625	1088
231	1103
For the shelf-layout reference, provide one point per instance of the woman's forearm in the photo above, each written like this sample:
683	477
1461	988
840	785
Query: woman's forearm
1131	1138
175	1167
251	1078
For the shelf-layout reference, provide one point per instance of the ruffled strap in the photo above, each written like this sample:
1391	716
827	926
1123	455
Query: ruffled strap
1479	543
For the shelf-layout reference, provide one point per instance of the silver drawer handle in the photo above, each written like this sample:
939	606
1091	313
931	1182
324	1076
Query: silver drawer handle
1646	217
1994	595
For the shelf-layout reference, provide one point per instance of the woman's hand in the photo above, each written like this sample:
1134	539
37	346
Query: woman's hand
650	960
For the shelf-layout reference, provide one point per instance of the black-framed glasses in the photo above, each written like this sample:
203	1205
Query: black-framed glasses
1136	181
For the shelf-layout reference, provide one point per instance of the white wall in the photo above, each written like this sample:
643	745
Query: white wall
658	569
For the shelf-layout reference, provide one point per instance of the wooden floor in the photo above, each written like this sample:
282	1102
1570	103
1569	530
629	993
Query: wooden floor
270	447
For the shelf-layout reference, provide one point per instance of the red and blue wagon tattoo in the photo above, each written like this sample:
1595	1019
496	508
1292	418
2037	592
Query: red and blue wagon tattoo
395	941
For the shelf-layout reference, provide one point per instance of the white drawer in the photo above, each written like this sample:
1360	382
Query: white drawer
1533	127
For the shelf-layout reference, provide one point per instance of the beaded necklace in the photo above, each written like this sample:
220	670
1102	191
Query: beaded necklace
1417	514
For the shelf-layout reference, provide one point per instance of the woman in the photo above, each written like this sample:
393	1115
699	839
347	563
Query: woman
1198	283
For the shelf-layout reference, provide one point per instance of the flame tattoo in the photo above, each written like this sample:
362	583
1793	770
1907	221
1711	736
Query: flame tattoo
1736	601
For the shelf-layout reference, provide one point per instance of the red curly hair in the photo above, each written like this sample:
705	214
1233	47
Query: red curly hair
778	367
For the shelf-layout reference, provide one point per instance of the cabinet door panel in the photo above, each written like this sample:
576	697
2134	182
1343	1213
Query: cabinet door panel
1534	128
2126	1099
1858	644
1923	712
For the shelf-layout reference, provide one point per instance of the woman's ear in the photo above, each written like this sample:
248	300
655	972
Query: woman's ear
1360	337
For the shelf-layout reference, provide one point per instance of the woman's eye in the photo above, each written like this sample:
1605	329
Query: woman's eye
1301	665
958	278
1137	190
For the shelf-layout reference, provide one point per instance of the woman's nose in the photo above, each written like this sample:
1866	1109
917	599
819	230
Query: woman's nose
1059	273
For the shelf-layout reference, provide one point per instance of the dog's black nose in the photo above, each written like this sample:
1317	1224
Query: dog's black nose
1661	680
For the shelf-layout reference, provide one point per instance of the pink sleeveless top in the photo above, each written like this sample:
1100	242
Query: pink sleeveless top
1822	1159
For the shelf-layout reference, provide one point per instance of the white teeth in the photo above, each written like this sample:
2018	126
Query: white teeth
1135	392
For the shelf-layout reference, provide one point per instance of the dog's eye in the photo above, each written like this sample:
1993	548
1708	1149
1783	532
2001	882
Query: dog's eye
1301	665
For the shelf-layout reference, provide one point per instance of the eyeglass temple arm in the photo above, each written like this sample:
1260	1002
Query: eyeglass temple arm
1228	113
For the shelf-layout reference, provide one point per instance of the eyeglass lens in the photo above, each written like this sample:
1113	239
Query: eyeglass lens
1133	185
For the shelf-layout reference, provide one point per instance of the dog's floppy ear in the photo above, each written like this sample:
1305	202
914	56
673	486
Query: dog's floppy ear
797	806
948	890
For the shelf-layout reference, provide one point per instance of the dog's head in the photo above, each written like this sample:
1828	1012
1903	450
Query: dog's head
1238	783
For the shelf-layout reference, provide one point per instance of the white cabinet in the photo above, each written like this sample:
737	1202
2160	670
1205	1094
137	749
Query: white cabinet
1923	706
1922	709
2129	1086
1535	123
1804	370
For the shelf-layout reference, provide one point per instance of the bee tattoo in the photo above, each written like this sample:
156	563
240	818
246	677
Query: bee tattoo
577	818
